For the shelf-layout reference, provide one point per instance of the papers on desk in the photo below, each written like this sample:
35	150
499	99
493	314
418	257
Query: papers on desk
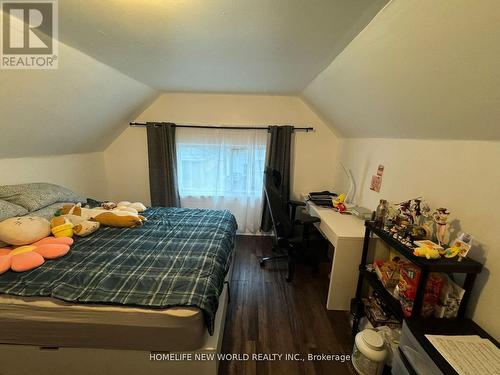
468	355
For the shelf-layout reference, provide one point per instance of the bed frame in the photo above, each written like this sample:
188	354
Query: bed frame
29	359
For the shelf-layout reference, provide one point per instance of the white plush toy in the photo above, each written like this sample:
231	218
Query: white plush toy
126	209
82	227
138	206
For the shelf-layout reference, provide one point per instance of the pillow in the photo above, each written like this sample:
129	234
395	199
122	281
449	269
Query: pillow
37	195
8	210
49	211
24	230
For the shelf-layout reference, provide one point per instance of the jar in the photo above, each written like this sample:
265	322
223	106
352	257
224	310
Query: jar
381	213
369	352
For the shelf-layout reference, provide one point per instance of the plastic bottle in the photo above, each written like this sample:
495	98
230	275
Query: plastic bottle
369	353
381	213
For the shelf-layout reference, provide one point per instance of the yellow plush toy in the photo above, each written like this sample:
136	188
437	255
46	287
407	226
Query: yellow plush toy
427	252
61	227
339	200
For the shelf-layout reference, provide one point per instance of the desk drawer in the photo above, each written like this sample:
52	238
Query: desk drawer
329	234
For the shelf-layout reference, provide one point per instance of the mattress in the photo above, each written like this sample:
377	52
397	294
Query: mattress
179	257
152	288
42	321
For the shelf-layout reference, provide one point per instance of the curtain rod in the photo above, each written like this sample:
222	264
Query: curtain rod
139	124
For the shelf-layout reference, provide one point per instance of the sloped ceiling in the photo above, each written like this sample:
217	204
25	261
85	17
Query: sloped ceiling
250	46
420	69
426	69
115	54
80	107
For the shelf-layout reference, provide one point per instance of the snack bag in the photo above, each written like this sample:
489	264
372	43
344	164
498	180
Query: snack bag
433	289
408	284
409	274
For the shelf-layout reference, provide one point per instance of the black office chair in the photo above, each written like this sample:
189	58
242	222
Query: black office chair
291	235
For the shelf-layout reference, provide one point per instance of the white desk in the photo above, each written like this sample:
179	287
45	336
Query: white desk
345	233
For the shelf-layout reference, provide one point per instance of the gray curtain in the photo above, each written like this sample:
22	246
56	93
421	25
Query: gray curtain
279	153
162	165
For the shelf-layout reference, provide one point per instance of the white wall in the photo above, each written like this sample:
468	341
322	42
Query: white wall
463	176
82	173
314	152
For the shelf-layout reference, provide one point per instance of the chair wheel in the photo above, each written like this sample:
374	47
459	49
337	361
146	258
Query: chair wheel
288	279
262	263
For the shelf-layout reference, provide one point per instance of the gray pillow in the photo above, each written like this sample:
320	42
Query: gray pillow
49	211
37	195
8	210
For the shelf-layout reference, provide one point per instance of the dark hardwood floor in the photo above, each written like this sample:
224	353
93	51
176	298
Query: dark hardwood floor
268	315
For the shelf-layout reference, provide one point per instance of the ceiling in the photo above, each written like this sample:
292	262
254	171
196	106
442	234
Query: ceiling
421	69
115	56
243	46
425	69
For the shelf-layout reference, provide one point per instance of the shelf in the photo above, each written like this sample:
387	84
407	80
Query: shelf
445	265
391	303
467	266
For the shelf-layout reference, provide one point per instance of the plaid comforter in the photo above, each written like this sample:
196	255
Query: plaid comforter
179	257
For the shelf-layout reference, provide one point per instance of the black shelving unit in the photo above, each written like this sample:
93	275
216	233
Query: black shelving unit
467	266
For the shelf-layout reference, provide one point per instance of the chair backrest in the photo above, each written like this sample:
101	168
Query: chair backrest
278	206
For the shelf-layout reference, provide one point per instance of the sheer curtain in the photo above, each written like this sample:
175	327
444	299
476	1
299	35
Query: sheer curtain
223	169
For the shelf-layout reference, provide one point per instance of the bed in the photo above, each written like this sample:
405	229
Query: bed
161	287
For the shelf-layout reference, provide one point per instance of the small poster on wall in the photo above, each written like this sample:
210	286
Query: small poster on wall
377	179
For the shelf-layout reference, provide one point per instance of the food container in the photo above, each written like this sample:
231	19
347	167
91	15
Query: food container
369	353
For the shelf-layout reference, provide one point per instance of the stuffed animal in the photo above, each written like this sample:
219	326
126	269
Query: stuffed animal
83	228
113	218
23	230
67	225
138	206
124	206
61	227
339	204
25	258
108	205
427	252
127	209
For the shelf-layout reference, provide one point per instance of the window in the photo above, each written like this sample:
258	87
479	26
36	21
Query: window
215	170
223	169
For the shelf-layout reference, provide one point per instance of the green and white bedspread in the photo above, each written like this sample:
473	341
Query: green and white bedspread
179	257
